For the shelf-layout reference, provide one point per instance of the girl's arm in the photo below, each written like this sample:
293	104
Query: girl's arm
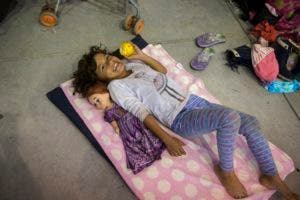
174	145
115	126
154	64
124	97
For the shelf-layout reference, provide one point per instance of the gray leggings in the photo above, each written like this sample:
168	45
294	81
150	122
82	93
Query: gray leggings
200	117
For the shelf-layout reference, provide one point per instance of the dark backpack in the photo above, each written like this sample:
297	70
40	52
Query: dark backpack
239	56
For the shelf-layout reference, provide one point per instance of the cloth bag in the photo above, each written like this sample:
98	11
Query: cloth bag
264	62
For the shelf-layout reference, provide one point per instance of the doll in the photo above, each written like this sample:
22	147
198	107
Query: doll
141	147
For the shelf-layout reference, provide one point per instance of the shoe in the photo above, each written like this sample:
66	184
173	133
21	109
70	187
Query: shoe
210	39
201	60
281	50
288	44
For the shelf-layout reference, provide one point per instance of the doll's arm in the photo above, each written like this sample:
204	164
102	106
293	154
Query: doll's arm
115	126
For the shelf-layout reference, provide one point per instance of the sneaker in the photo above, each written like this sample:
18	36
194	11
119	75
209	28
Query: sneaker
210	39
201	60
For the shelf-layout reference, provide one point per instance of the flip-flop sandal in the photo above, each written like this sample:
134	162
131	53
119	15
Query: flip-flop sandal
201	60
210	39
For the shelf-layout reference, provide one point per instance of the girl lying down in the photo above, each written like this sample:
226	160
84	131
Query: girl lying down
144	90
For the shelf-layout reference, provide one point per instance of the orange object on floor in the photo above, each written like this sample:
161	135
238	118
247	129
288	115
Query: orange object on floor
47	16
265	30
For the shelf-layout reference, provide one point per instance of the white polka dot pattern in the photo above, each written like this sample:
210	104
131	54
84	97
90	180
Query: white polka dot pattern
285	157
217	193
149	196
205	182
257	187
279	166
179	66
193	146
192	165
243	175
79	103
175	70
116	153
185	80
164	186
125	169
215	148
190	190
272	146
178	175
97	127
207	139
138	183
240	153
193	88
152	172
106	139
166	162
87	114
176	197
205	159
166	63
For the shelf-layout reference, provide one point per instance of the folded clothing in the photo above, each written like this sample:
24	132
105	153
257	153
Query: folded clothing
283	87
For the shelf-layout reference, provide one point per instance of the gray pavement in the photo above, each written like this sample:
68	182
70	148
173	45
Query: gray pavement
44	156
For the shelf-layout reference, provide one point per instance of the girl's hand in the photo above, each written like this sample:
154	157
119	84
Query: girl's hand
154	64
174	146
138	54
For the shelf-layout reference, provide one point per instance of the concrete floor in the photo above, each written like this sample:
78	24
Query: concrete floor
44	156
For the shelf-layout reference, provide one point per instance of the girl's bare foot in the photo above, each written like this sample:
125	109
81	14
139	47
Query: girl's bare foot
231	183
275	183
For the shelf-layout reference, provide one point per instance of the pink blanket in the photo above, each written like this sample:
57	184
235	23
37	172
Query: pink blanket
178	178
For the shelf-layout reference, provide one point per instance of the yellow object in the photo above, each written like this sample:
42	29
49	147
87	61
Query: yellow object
126	49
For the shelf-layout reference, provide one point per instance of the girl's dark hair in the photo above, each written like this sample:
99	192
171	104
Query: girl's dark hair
85	75
97	88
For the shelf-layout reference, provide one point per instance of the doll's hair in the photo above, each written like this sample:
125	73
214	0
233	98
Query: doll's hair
85	75
97	88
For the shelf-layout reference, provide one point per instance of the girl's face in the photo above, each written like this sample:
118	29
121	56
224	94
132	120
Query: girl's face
101	101
109	67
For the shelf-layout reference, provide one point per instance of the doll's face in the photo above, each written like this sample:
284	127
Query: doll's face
101	101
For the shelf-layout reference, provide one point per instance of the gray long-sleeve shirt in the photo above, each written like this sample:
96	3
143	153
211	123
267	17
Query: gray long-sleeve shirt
146	91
